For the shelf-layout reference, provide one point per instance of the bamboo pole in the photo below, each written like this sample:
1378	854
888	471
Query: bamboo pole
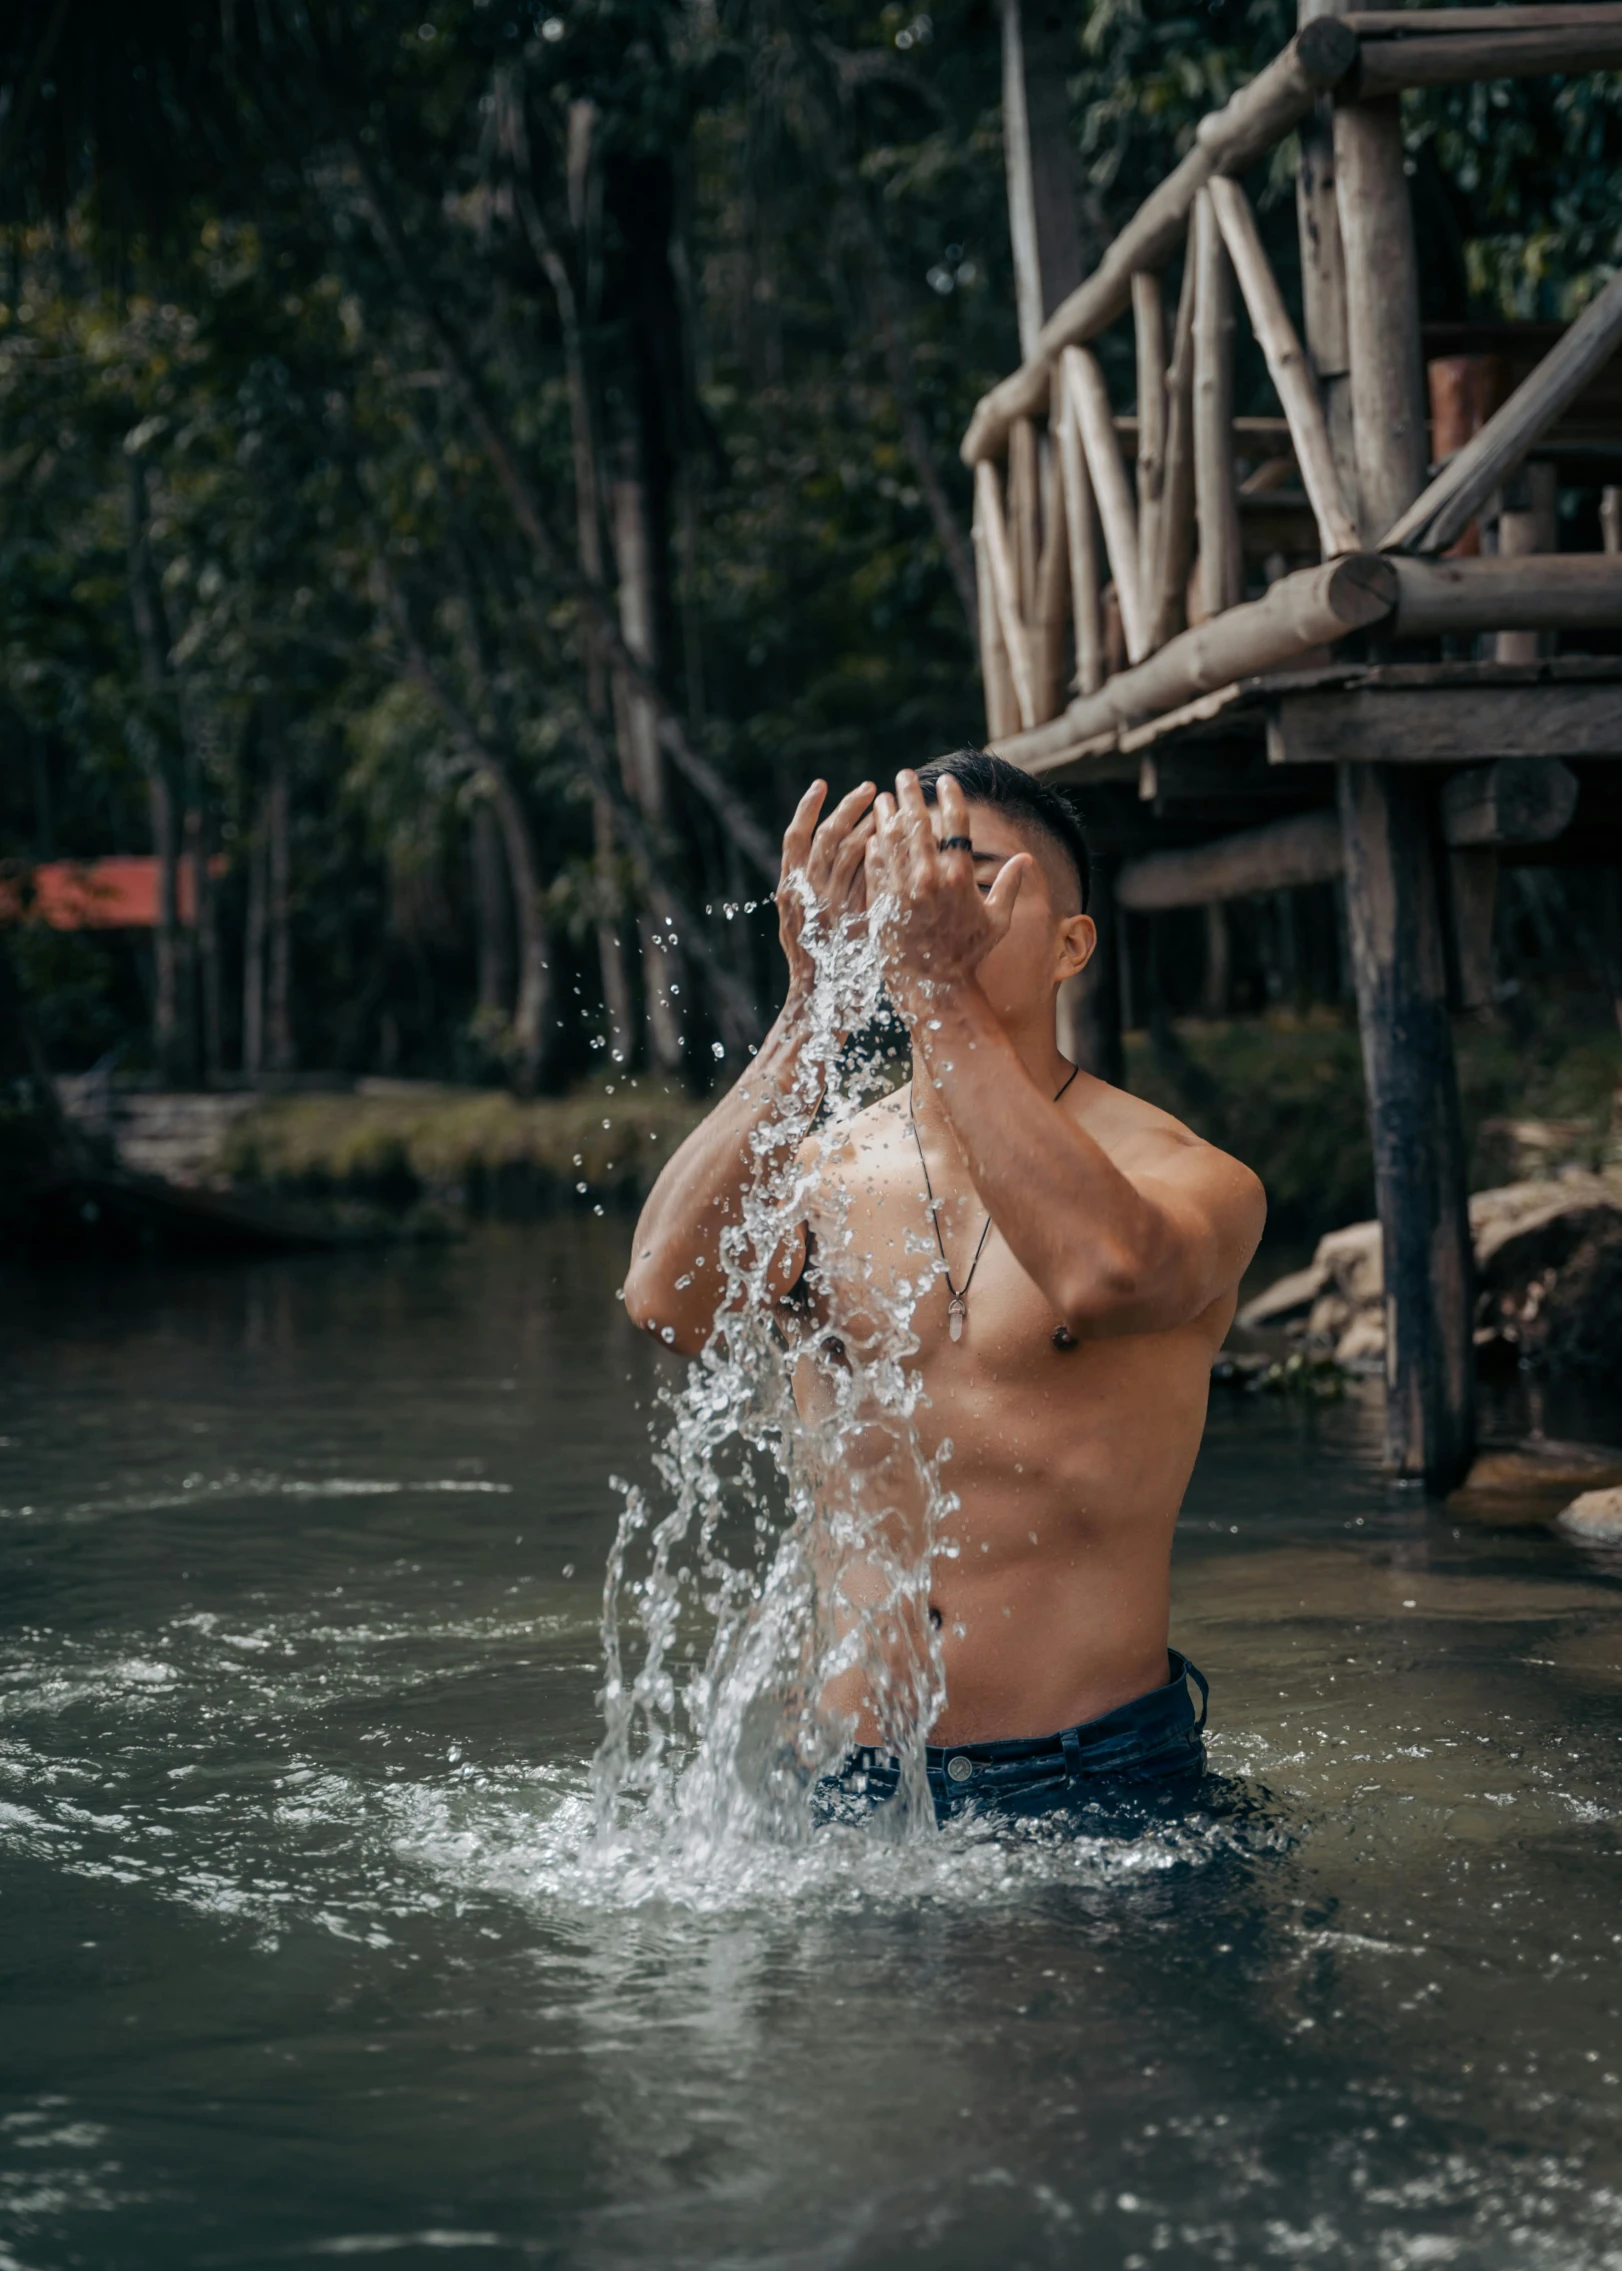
1227	141
1529	526
1089	404
1310	609
1216	506
1337	531
1323	288
1149	342
1052	592
1464	484
1382	312
992	533
1387	66
996	679
1023	535
1175	552
1379	23
1081	533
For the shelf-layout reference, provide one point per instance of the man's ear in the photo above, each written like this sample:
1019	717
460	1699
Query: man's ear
1078	941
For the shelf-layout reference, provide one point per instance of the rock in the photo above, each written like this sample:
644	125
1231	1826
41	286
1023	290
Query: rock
1352	1262
1286	1301
1530	1481
1361	1347
1595	1518
1331	1314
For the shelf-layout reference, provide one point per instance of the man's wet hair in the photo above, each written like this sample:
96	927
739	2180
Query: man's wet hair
985	779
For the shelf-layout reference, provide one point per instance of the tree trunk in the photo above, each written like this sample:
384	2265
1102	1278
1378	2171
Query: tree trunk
171	1025
492	913
534	1004
641	757
253	953
199	839
279	1049
618	1006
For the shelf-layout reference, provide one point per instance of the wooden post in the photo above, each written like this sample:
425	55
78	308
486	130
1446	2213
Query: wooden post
1081	532
1090	407
996	678
1024	537
1052	587
1529	523
1149	340
1216	504
991	536
1175	551
1394	916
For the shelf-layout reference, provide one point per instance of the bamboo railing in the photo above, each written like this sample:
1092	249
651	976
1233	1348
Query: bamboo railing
1114	591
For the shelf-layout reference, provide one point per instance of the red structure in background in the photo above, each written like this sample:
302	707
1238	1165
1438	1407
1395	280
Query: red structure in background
119	893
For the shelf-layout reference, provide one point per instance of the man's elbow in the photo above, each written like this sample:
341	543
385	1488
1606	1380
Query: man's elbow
1112	1285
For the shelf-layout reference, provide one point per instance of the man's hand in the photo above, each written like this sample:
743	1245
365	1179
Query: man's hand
824	865
938	926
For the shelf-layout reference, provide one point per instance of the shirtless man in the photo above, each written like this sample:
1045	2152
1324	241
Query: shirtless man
1070	1362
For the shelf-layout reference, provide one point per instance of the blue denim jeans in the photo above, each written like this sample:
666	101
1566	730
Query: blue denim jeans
1135	1760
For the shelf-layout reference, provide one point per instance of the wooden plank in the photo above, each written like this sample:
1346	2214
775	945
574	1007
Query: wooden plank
1227	141
1444	509
1088	401
1216	506
1443	725
1519	800
1399	968
992	535
1387	66
1287	366
1570	591
1303	849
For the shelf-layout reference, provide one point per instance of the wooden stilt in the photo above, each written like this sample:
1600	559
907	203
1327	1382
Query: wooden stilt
1216	503
1390	861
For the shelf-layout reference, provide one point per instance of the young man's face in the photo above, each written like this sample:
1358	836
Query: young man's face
1049	938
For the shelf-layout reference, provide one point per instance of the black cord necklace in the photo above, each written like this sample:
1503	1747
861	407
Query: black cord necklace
957	1308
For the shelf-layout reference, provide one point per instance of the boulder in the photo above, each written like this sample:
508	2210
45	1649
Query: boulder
1593	1519
1286	1301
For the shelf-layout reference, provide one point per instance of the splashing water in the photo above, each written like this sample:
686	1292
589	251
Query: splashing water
780	1575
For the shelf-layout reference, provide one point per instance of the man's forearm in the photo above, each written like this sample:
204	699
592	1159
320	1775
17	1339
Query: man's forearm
1077	1226
674	1284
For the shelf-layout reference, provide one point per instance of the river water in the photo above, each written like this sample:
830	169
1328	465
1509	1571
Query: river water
305	1957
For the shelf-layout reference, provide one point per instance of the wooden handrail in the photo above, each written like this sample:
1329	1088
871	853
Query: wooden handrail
1226	141
1387	66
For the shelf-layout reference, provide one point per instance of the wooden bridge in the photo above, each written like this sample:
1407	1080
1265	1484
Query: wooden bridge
1337	641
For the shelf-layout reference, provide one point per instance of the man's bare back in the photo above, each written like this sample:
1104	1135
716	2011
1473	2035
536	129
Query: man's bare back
1075	1396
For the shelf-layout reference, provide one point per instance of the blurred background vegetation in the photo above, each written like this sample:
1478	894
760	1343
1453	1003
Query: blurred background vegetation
463	467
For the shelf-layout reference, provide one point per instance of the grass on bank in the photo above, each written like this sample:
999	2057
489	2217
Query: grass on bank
1283	1092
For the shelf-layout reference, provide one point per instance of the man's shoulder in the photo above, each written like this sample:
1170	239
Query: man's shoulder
1142	1138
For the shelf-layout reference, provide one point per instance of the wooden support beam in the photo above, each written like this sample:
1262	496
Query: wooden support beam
1443	725
1088	401
1557	591
1310	609
1444	509
1472	907
1081	535
1287	366
1024	534
1518	800
1216	503
1399	966
1149	345
1303	849
1052	595
1226	141
1173	557
991	534
996	679
1528	525
1387	66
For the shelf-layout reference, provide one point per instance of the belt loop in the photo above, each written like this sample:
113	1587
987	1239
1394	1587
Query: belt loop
1070	1744
1193	1672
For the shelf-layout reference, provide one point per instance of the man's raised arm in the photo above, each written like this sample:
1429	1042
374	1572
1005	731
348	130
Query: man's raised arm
1139	1245
674	1286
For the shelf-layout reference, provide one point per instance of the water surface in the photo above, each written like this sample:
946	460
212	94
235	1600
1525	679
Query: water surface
302	1959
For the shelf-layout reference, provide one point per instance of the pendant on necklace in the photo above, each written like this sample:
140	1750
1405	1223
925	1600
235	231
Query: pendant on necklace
956	1310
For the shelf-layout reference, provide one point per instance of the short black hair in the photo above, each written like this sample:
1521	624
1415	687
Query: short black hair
985	779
